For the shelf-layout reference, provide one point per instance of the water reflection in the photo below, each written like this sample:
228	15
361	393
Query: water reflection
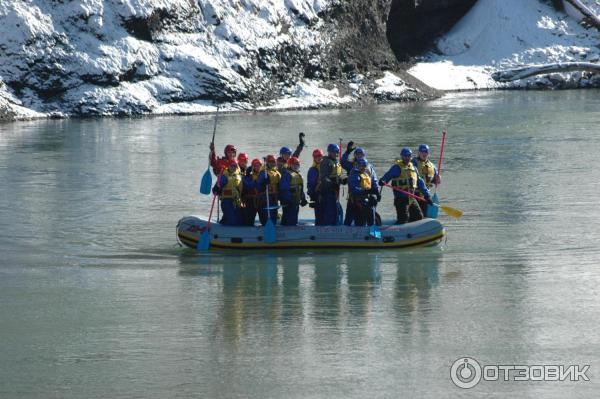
293	292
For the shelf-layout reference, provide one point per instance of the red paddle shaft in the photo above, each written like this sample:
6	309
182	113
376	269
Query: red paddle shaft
441	153
406	192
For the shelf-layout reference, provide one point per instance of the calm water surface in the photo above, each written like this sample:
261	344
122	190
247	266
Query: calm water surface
98	301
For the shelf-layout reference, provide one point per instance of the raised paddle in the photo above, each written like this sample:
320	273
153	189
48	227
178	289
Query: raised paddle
206	182
204	241
270	232
450	211
433	211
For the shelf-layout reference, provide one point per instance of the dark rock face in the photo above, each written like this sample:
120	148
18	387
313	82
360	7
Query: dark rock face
413	25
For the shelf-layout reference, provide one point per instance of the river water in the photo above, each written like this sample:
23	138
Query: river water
98	301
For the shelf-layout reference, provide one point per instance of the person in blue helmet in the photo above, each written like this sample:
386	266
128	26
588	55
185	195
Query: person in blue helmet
286	153
348	165
427	171
312	185
330	179
291	193
404	175
362	193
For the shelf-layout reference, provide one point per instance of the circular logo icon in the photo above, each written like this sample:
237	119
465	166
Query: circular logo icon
465	372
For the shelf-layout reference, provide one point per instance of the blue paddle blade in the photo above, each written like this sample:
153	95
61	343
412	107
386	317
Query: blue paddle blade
270	233
206	183
433	211
204	241
340	214
374	232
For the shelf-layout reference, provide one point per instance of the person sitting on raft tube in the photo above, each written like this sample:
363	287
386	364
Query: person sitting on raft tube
219	164
229	188
363	193
348	165
269	176
427	171
404	175
312	184
291	193
286	153
249	194
330	179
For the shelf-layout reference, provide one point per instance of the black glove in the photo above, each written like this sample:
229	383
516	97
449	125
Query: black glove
350	147
311	205
344	180
303	202
381	183
378	196
216	190
301	136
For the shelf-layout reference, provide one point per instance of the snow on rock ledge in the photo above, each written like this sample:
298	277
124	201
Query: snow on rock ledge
124	57
505	34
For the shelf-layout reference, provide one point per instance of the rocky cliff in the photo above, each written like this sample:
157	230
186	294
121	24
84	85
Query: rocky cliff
123	57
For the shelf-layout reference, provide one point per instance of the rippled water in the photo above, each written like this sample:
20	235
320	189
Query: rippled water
97	300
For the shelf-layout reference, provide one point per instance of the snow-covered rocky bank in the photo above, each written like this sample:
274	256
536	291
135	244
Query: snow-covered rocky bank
124	57
497	35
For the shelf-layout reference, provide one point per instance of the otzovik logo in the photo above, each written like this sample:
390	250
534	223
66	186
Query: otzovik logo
466	372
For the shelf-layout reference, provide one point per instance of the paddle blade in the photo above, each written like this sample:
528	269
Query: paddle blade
204	242
433	211
374	232
270	233
455	213
340	214
206	183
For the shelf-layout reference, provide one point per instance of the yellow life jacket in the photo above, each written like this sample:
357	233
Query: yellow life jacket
296	185
336	171
233	188
365	180
426	171
407	180
253	192
274	178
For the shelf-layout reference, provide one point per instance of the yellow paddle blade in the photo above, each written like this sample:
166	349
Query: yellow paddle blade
455	213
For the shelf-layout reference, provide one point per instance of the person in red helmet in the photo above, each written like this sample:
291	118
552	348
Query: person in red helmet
312	184
250	192
229	188
291	193
220	164
242	160
269	176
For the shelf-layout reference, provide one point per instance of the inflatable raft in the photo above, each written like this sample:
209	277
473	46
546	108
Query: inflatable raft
426	232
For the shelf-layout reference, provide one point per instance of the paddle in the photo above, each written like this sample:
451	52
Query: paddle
374	230
432	211
450	211
270	233
206	182
204	242
338	206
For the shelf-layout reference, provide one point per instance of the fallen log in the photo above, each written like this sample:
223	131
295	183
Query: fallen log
532	70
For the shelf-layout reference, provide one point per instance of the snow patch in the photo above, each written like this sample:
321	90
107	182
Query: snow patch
504	34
